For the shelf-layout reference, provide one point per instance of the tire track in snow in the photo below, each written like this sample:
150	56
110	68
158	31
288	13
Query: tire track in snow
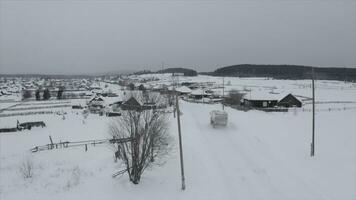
203	152
244	165
217	162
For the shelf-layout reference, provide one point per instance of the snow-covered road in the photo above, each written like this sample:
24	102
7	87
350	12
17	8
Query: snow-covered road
254	157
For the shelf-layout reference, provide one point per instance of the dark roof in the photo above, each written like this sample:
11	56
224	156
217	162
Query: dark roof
97	99
131	104
290	100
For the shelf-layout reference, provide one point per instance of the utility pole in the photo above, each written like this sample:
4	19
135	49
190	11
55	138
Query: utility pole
313	131
180	144
223	96
179	133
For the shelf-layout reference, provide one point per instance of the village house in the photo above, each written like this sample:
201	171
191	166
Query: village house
259	100
290	101
183	90
260	103
101	104
96	104
131	104
198	94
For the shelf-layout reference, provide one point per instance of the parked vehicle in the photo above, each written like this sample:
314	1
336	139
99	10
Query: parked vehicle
218	118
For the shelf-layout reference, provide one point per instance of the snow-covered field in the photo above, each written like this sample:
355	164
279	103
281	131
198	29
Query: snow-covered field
257	156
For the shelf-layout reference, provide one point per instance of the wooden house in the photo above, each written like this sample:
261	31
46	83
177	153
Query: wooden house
96	101
131	104
258	100
96	105
183	90
289	101
198	94
260	103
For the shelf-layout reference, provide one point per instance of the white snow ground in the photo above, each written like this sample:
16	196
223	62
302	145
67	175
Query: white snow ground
258	156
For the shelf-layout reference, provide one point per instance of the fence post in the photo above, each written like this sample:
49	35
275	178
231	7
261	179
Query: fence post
50	138
86	147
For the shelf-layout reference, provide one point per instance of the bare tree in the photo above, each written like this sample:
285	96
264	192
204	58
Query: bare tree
60	92
234	97
131	86
46	94
170	98
37	94
150	141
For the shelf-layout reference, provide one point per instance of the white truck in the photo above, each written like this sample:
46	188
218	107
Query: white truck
218	118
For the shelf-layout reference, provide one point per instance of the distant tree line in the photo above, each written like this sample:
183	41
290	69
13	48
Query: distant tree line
286	72
46	76
143	72
184	71
46	94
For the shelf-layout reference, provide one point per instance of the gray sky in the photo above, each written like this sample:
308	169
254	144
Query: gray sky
73	37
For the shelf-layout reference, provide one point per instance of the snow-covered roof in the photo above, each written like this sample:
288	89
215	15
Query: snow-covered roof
97	98
257	95
184	89
157	86
111	100
254	95
198	92
95	85
170	88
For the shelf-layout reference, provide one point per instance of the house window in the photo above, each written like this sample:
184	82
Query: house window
264	104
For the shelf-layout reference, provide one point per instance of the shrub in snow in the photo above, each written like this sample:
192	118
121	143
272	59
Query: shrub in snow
26	168
74	178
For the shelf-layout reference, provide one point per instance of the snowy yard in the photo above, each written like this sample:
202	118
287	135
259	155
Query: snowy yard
257	156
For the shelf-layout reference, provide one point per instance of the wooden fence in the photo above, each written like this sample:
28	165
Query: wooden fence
26	113
37	107
84	143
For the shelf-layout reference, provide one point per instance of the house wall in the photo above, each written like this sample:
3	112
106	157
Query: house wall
260	103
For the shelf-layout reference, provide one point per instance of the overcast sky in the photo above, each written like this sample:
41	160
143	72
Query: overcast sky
74	37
